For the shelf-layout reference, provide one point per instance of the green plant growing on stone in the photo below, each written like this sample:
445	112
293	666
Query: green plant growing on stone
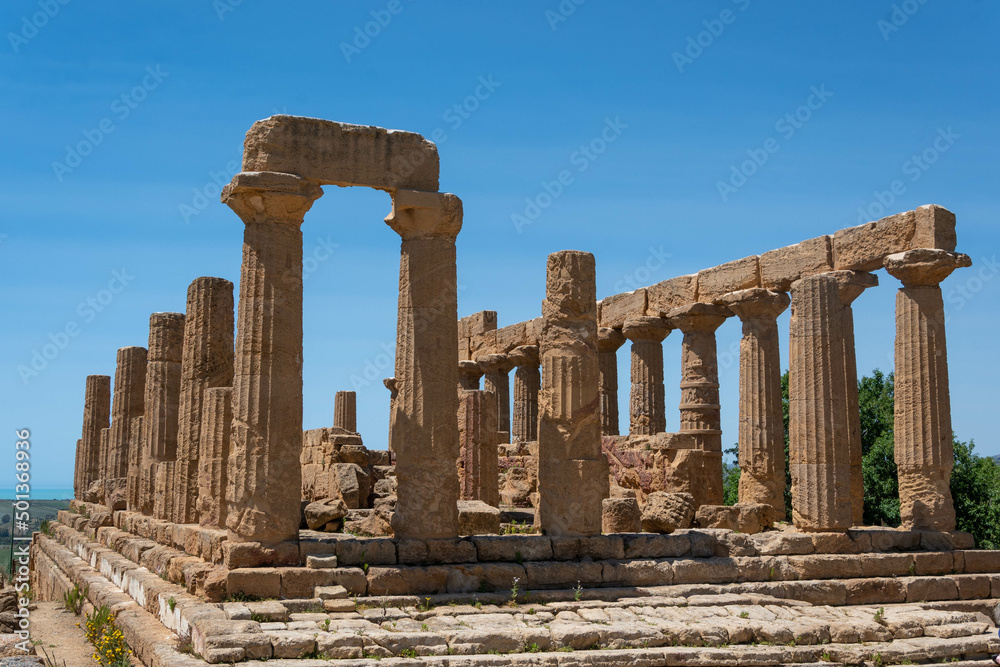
744	614
46	528
426	605
880	616
423	627
172	602
74	598
513	592
578	591
408	653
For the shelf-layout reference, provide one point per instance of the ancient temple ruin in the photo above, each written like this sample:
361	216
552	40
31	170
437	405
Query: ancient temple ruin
196	484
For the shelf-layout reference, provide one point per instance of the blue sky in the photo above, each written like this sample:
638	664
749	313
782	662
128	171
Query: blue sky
120	119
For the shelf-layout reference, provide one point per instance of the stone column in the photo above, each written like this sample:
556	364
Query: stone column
264	476
345	411
762	440
216	434
78	470
496	378
105	475
923	436
390	384
478	462
647	412
527	380
469	373
96	417
207	362
163	388
851	285
699	406
572	470
608	342
127	404
424	421
818	447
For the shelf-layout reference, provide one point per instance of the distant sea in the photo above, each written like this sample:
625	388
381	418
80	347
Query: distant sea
40	493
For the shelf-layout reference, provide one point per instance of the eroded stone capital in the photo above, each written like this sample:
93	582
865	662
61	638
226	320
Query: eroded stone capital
705	317
494	363
756	303
609	339
469	370
268	196
418	214
524	355
924	267
392	386
852	283
647	329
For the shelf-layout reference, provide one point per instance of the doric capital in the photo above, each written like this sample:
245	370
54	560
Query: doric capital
703	317
852	283
924	266
268	196
524	355
419	214
495	363
469	369
647	329
166	336
756	303
390	384
609	340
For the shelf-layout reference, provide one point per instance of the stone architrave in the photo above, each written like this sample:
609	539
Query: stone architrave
96	417
608	342
216	435
162	398
572	470
820	460
527	381
647	411
469	373
345	411
207	362
496	379
761	436
127	403
424	414
264	476
852	284
922	431
478	460
699	406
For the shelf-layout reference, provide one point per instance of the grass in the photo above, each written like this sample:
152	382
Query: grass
74	598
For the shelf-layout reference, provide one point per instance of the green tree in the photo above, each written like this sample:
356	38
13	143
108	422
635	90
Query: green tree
975	490
731	477
876	396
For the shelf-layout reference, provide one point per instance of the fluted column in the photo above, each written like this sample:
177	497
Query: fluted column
851	285
127	404
922	431
469	373
818	442
478	462
264	478
390	384
647	411
163	388
425	410
96	416
496	378
572	470
345	411
608	342
215	440
207	362
527	381
761	436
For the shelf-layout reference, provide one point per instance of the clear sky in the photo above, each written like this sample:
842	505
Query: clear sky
121	119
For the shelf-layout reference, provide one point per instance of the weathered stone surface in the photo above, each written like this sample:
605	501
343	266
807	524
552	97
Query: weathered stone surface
477	518
527	382
207	363
469	373
615	309
647	412
608	342
669	294
748	519
923	437
496	380
729	277
781	267
319	514
127	404
513	547
621	515
345	411
96	416
329	152
865	247
477	435
666	512
424	426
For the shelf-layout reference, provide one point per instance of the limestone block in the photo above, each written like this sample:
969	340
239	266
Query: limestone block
261	582
511	336
351	483
862	248
430	580
926	589
666	512
477	518
781	267
513	547
669	294
647	545
319	514
479	577
615	309
729	277
477	323
595	547
621	515
562	574
935	228
377	551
